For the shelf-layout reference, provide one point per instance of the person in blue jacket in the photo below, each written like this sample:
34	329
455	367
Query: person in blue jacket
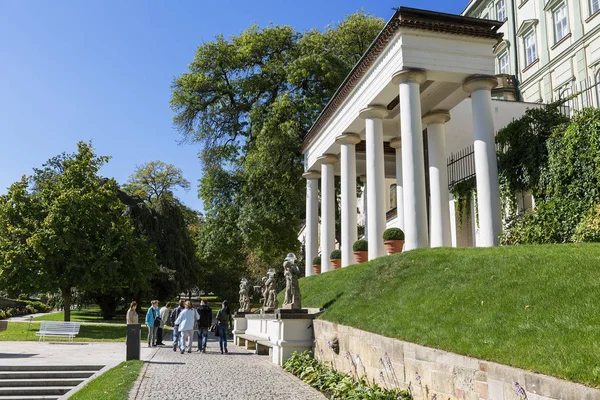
153	322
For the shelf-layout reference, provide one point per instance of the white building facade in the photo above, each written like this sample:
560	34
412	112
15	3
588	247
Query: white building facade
550	48
422	91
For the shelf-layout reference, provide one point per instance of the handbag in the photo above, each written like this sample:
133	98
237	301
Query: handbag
215	329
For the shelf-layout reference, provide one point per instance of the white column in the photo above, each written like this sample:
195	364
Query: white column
396	143
327	209
439	213
413	164
486	165
363	178
312	219
373	116
347	143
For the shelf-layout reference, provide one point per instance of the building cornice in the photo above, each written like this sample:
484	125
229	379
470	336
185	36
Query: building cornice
406	18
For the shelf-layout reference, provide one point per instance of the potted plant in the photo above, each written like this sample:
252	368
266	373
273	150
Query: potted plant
393	238
361	250
336	259
317	264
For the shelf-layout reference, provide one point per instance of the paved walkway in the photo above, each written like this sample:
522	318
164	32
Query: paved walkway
64	353
234	376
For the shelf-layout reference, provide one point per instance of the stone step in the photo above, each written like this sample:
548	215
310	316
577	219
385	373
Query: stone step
45	374
8	383
42	367
34	391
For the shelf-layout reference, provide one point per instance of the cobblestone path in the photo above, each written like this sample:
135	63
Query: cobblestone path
238	375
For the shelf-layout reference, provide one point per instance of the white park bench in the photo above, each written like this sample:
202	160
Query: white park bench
58	328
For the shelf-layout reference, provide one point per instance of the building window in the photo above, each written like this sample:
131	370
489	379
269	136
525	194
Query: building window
561	26
503	63
564	95
598	89
594	6
501	10
393	199
530	50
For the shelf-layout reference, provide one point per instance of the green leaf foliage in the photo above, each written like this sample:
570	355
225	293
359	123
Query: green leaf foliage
568	187
360	245
393	234
335	255
248	101
317	260
70	231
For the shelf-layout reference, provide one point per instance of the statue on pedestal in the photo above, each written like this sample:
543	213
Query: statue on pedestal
244	297
271	291
292	289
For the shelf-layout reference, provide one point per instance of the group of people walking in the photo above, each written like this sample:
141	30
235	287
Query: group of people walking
185	320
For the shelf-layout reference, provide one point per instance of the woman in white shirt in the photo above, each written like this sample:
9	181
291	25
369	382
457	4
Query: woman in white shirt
185	323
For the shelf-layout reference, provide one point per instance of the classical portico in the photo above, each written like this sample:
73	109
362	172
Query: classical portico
402	91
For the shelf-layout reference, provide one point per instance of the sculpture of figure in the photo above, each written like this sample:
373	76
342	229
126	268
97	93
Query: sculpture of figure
271	301
244	297
292	288
263	291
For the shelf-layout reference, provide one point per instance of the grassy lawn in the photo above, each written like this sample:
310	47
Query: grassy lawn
113	384
533	307
87	333
88	314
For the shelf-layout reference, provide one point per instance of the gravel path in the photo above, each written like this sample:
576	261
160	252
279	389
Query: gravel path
237	375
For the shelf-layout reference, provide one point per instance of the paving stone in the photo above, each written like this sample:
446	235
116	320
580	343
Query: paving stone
212	375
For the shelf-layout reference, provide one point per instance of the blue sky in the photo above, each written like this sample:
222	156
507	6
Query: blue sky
102	70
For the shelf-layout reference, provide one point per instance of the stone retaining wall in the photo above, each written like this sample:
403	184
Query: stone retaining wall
429	372
10	303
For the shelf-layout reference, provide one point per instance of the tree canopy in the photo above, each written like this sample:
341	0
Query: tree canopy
248	101
65	228
155	179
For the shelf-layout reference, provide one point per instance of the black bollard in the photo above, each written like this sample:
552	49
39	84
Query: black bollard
134	336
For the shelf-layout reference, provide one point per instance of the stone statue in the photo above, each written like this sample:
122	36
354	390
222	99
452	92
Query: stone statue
271	299
292	289
244	297
263	291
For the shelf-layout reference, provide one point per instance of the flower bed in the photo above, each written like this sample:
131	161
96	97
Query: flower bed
337	385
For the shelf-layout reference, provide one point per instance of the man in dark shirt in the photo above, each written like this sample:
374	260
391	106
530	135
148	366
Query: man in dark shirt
174	316
204	324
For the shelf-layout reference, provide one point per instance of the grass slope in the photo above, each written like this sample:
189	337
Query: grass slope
114	384
533	307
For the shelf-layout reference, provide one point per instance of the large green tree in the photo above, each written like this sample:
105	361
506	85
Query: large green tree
168	224
249	101
68	230
154	180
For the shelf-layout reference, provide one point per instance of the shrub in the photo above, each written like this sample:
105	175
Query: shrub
2	314
335	255
393	234
338	385
360	245
588	229
317	260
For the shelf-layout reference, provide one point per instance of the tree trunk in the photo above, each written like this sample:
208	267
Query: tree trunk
66	294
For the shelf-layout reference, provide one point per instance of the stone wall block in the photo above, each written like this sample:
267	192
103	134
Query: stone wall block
465	379
397	351
471	396
505	373
425	354
417	372
495	389
442	382
481	376
445	368
397	370
482	389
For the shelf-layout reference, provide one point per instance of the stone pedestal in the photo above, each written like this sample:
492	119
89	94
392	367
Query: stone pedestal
279	334
239	324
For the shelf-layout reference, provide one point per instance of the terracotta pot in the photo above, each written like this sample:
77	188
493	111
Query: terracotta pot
394	246
336	263
317	268
361	256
